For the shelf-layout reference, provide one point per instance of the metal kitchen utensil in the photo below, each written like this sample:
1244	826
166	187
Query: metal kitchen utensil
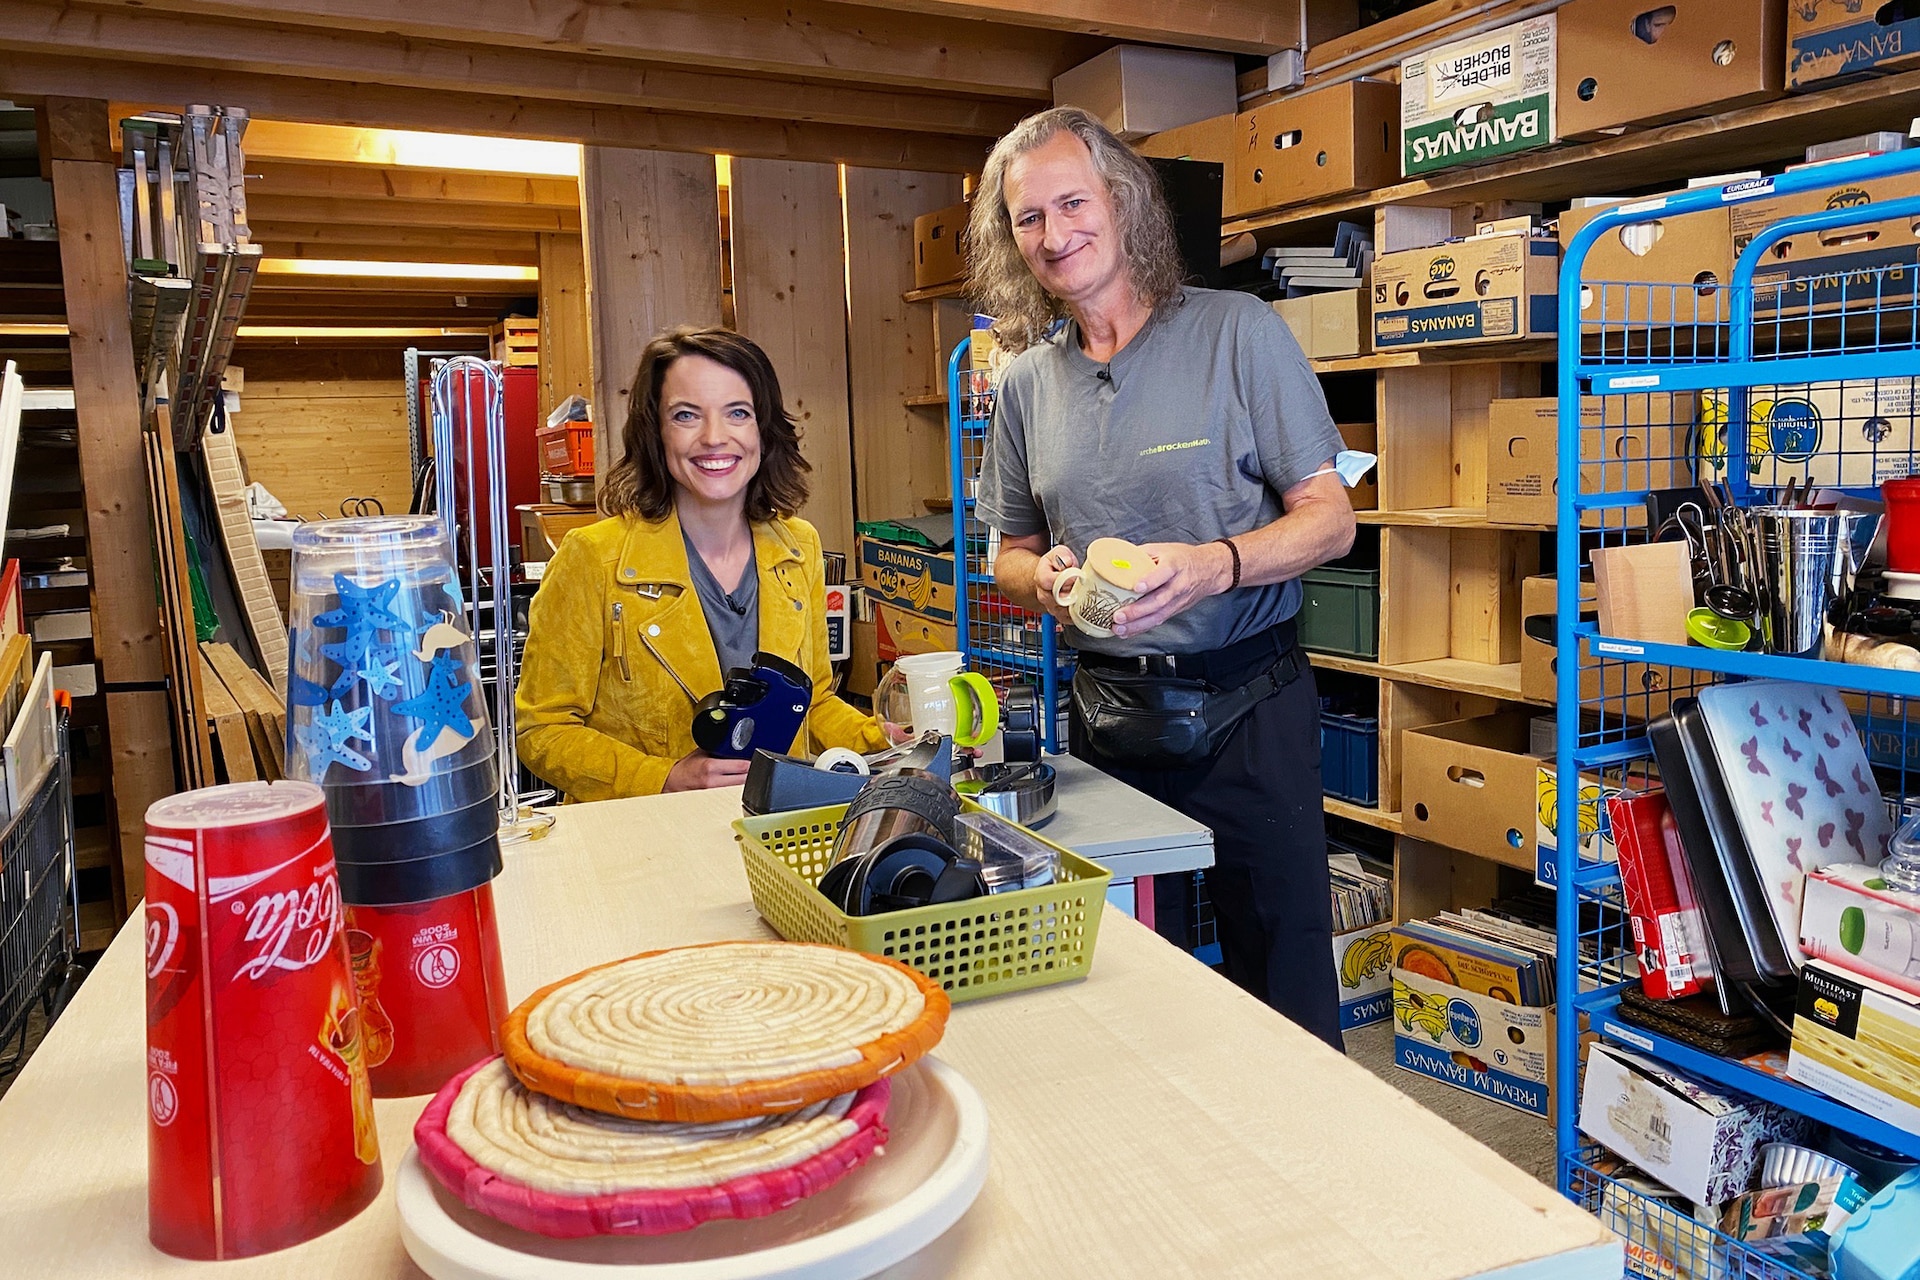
1018	793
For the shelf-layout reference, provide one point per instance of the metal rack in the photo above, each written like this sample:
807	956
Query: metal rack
1004	642
39	905
1763	355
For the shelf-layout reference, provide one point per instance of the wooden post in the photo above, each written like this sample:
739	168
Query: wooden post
789	295
126	614
566	356
651	222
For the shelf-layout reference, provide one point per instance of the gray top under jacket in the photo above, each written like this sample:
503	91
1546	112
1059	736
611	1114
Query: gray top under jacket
733	618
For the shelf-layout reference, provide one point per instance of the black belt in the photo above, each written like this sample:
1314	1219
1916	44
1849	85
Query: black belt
1225	667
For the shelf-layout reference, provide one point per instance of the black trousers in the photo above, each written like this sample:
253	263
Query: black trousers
1260	795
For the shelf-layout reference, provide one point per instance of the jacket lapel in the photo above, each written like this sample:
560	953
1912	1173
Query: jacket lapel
653	569
783	592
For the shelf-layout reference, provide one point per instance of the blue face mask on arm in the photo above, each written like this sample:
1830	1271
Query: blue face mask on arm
1350	465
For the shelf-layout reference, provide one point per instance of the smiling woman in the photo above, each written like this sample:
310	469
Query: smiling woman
700	506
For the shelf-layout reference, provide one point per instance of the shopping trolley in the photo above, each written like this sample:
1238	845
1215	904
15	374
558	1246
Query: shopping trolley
39	907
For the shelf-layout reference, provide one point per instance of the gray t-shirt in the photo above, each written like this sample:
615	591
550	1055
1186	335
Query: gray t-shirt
1190	434
734	619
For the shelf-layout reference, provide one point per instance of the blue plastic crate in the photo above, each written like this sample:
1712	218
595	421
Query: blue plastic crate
1350	757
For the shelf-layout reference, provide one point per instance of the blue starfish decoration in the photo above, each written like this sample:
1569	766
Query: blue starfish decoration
363	611
326	735
440	705
382	677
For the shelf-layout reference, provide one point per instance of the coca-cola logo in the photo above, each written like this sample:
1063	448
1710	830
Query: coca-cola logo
292	929
163	936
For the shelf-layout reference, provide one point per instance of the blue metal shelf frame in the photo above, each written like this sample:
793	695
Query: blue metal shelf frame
969	418
1733	366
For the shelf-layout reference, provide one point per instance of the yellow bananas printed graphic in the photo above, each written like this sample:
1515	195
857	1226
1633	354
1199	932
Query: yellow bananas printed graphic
921	592
1417	1012
1713	431
1365	958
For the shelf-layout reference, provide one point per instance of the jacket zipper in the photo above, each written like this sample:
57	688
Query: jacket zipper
620	641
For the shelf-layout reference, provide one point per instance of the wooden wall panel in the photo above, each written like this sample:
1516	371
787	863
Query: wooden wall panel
318	426
899	455
566	353
651	222
789	295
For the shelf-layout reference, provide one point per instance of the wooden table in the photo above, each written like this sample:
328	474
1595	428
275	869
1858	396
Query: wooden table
1150	1121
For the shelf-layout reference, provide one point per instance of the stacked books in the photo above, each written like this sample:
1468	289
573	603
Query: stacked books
1360	898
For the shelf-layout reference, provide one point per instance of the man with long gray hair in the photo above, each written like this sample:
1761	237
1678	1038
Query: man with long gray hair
1186	421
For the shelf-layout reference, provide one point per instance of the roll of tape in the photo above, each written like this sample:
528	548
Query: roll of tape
841	760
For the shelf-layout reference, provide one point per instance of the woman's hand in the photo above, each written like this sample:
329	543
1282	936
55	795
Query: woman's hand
1182	575
698	771
1046	573
896	733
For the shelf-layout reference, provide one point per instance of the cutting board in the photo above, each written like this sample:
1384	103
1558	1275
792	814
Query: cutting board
1645	592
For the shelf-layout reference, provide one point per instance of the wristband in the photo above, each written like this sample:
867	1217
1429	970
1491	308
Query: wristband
1235	553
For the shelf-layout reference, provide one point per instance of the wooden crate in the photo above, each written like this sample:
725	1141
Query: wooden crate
1432	432
516	342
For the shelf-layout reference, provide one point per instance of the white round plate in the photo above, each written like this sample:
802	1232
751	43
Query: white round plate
902	1200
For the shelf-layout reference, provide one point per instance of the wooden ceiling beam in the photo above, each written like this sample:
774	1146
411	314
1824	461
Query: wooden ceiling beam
280	247
269	283
399	213
351	236
28	75
1230	26
379	186
813	39
56	27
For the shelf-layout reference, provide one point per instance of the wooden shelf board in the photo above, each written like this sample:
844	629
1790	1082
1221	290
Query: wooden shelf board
932	400
933	293
1445	518
1740	138
1362	814
1458	674
1518	350
92	847
97	926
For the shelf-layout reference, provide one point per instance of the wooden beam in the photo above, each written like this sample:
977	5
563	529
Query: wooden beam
809	38
276	247
140	748
1230	26
899	456
653	259
347	236
383	106
378	186
789	295
318	211
566	343
271	284
377	57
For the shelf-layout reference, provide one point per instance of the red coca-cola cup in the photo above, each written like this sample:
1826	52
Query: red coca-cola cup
432	990
260	1128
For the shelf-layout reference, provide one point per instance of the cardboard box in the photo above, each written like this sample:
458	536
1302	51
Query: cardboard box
863	657
1669	934
1621	62
1474	1042
1480	290
1363	959
1340	324
1858	1040
1209	140
940	247
1699	1139
1596	828
1853	268
1305	146
1469	784
1363	437
1539	661
1850	917
1137	90
1831	38
1523	455
1478	98
1687	261
908	577
1298	313
899	631
1854	434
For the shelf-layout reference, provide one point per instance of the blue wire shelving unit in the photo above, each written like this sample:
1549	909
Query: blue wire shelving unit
1004	642
1699	367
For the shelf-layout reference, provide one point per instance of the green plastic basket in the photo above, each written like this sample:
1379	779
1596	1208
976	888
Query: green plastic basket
978	948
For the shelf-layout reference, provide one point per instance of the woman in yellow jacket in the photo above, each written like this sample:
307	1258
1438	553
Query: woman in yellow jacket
700	563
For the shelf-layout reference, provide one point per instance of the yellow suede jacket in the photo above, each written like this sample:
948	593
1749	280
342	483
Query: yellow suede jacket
599	713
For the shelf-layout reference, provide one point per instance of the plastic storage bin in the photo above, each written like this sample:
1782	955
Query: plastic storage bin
1340	612
1350	757
974	949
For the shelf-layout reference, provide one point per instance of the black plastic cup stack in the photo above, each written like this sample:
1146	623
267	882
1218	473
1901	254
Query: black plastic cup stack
385	711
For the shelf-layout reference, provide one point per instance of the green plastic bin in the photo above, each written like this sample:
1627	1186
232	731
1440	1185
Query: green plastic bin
1340	612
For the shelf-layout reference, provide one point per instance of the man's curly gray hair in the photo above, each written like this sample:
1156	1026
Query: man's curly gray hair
1001	284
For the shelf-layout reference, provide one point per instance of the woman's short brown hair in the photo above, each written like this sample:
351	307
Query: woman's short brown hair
640	484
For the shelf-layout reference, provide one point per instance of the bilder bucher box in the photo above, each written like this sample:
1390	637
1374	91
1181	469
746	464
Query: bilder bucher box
1479	98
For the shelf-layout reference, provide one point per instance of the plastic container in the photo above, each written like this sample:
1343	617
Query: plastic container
1903	523
1340	612
982	947
1350	757
566	449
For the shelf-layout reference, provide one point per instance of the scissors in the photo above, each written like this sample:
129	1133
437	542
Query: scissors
362	507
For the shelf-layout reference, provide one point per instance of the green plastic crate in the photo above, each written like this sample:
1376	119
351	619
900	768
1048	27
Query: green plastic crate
1340	612
974	949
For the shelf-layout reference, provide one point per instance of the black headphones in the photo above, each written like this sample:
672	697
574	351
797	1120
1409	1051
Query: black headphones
896	850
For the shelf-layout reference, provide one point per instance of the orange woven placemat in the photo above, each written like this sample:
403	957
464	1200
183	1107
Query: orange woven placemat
724	1030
